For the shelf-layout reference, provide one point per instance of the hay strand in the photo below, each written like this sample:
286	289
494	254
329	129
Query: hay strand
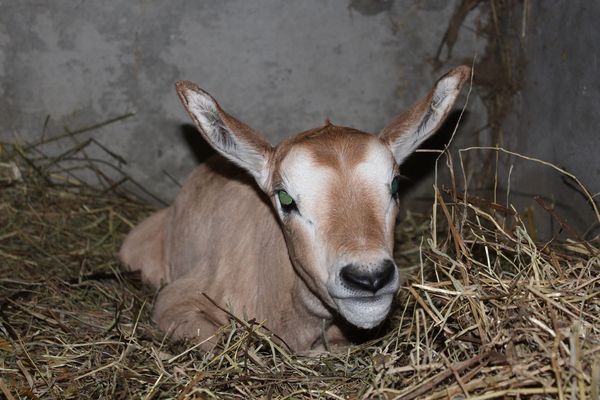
485	312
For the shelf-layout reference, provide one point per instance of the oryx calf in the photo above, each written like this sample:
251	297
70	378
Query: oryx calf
299	235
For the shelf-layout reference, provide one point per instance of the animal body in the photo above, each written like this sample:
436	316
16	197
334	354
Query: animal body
299	235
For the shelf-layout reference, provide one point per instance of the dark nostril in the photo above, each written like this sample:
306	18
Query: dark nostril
371	279
355	278
385	273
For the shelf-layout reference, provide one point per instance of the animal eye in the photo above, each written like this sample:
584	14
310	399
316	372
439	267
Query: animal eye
395	185
286	201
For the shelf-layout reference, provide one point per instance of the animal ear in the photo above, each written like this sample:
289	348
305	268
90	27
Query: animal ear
408	130
230	137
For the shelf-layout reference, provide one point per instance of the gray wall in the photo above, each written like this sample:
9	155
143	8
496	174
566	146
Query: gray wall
286	66
556	114
280	66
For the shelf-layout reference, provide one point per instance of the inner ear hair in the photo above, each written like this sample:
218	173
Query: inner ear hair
411	128
229	136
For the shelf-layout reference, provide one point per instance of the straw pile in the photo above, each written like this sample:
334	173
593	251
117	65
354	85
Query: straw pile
485	312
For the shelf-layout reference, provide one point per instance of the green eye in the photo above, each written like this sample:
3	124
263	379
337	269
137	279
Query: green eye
395	185
285	199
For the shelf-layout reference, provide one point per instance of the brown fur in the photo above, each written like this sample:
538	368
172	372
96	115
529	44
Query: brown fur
330	146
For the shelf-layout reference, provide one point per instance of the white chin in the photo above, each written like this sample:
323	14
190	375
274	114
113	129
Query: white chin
367	312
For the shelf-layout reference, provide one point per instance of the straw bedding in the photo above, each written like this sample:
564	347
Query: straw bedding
485	311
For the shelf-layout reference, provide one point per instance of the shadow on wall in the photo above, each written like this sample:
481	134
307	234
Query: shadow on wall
199	147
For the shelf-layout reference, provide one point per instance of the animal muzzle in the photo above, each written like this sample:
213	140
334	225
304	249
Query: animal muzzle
364	293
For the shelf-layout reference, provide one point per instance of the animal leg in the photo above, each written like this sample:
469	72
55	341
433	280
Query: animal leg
335	337
143	249
182	310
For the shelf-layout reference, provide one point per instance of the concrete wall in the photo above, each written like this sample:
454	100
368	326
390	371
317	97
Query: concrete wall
556	114
284	67
280	66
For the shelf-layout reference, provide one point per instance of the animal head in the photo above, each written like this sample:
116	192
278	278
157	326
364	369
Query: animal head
335	191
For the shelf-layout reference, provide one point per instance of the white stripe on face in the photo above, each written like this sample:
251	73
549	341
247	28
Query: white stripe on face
305	182
377	170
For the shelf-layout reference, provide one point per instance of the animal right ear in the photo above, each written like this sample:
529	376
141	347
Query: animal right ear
411	128
227	135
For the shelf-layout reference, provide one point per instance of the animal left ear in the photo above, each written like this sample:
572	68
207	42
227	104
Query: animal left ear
411	128
232	138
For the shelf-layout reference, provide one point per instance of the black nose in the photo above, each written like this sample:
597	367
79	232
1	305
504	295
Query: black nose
370	279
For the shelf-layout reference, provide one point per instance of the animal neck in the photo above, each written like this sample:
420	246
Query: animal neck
291	307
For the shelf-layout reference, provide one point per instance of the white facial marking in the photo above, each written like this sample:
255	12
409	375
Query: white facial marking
377	169
305	182
308	184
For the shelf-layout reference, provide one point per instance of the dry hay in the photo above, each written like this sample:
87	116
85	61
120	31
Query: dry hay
485	312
